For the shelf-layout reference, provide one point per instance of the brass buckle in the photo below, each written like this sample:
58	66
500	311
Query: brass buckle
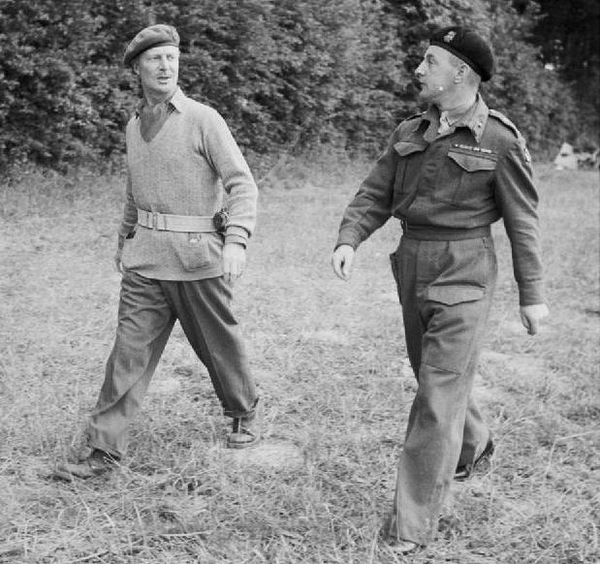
155	220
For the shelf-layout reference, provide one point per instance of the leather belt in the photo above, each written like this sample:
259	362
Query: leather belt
170	222
431	233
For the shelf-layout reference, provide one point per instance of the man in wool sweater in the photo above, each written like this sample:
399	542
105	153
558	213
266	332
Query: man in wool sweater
177	254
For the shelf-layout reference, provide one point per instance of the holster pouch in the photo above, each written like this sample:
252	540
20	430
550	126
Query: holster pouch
220	219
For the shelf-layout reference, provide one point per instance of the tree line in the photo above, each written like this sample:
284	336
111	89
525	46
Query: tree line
286	74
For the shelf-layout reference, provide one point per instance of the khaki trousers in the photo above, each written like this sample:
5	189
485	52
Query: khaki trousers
148	310
445	288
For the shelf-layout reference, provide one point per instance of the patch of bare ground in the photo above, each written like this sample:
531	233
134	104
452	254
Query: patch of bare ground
330	363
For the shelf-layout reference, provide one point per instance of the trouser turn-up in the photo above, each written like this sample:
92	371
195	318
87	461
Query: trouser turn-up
148	310
445	288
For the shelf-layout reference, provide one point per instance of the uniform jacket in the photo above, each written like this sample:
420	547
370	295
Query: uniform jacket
471	176
189	168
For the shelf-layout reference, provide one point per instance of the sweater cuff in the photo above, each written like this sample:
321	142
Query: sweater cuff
236	234
531	293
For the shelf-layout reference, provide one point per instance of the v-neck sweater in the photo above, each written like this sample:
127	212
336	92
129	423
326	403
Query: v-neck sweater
191	166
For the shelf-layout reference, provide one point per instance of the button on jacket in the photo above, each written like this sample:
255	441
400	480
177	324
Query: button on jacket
185	169
471	176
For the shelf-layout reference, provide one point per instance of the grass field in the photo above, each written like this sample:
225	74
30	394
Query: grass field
329	358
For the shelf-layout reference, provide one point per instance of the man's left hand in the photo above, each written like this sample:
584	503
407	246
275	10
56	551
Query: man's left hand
234	260
531	316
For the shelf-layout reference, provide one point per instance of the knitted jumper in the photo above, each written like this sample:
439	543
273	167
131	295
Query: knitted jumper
188	168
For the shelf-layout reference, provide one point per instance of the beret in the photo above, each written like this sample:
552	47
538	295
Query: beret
467	46
152	36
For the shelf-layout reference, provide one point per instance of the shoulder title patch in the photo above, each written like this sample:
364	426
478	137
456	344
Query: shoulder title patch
473	148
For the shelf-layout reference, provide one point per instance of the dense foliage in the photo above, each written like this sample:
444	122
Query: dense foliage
569	34
286	74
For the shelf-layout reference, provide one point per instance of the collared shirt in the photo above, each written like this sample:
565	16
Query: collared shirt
473	119
152	119
470	176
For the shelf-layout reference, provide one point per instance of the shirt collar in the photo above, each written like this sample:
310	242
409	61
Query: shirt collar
176	102
473	119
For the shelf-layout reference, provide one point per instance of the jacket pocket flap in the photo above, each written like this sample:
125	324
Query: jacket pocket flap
472	163
451	295
404	148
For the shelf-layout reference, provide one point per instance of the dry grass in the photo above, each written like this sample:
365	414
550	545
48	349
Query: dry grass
329	358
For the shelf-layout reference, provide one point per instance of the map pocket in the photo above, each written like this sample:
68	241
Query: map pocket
193	252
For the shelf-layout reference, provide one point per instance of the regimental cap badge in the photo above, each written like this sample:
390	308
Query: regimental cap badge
449	36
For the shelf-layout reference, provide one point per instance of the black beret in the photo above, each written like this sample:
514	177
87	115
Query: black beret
152	36
468	46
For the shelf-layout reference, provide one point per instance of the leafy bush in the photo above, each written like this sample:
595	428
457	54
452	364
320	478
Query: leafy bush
287	75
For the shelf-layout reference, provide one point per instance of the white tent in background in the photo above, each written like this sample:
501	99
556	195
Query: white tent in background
566	157
570	158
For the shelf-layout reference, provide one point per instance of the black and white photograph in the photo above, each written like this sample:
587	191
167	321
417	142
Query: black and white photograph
300	282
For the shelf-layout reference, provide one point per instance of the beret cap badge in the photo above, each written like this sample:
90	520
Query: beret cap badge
449	36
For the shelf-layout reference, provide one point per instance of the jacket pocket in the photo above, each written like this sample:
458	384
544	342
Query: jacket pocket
452	295
465	176
407	171
193	252
472	163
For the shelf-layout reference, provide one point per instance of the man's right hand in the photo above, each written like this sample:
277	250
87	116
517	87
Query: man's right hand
341	261
532	315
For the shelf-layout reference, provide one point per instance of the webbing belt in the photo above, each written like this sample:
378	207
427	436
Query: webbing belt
430	233
170	222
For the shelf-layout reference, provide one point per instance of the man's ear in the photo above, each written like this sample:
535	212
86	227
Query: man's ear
135	67
461	73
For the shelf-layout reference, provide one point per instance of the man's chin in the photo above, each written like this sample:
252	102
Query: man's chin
163	88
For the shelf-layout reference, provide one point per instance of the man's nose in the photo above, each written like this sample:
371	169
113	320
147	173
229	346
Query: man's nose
419	70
